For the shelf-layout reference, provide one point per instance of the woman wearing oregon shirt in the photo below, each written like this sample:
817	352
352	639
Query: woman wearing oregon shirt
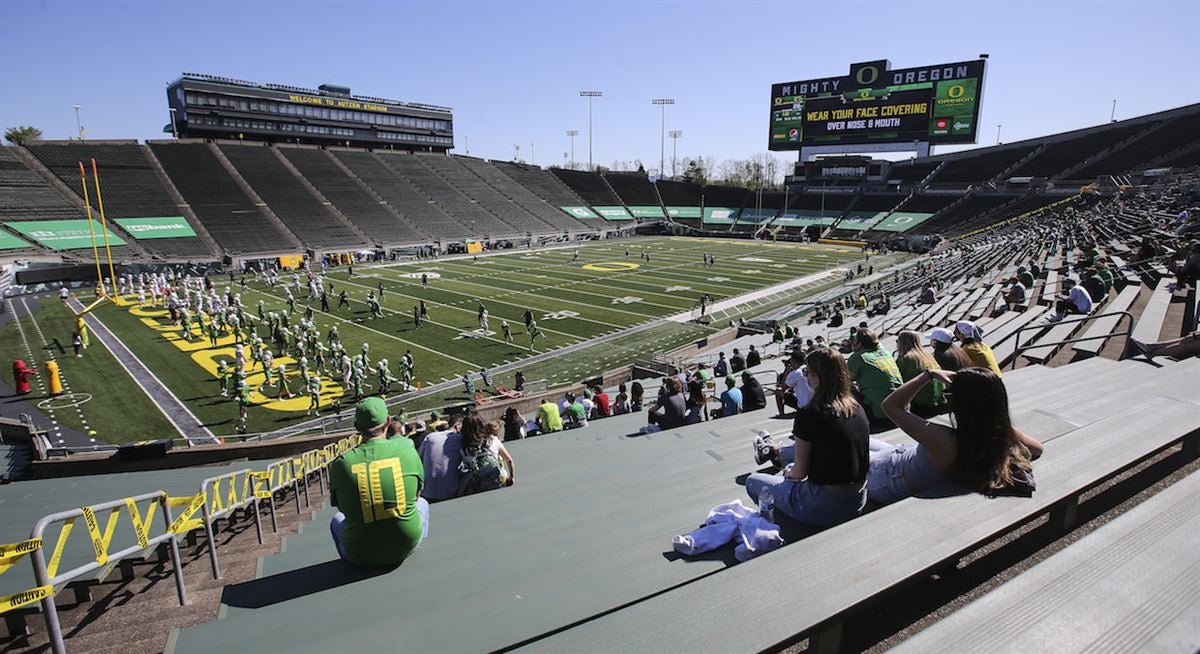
376	488
874	371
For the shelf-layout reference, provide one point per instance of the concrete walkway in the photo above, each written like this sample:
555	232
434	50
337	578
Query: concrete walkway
186	422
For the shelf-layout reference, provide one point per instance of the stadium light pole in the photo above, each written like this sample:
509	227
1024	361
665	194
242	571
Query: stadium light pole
1112	118
174	130
674	134
572	133
78	125
662	132
516	152
997	133
589	95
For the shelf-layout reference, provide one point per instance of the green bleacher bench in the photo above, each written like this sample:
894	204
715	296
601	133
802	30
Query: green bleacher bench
1133	584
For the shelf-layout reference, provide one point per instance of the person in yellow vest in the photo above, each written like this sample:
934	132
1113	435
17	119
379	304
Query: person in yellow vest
52	376
81	327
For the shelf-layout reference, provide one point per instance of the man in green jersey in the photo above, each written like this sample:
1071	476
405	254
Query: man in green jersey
376	488
874	371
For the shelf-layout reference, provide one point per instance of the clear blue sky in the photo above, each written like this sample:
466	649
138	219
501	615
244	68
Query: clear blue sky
512	71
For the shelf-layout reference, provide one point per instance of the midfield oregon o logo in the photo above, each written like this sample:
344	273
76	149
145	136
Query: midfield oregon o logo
611	266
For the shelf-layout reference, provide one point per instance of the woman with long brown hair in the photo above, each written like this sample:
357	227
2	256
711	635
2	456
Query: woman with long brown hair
912	359
982	451
825	481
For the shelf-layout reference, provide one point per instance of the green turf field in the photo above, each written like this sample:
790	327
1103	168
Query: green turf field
609	288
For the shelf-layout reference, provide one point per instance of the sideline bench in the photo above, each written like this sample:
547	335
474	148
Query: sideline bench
1131	584
808	588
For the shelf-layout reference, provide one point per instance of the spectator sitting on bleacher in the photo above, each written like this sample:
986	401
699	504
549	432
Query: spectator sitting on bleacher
385	531
603	408
913	361
514	424
721	367
574	413
825	482
796	391
983	451
637	396
670	411
753	358
620	404
1176	348
548	417
737	362
928	295
486	463
1025	277
753	396
972	344
1076	300
697	403
874	371
441	454
1187	271
836	320
731	398
1016	294
1093	283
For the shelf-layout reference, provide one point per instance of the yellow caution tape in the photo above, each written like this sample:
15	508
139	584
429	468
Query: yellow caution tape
93	527
59	546
13	552
139	527
183	523
17	600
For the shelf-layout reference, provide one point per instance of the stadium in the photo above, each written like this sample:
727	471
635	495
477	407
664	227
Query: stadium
213	330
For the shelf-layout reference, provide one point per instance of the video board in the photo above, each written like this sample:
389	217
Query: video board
874	104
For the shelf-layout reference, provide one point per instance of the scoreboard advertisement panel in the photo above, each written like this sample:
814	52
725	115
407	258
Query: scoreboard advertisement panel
874	104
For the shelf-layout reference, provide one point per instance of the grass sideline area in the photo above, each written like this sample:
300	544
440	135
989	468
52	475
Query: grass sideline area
607	289
118	411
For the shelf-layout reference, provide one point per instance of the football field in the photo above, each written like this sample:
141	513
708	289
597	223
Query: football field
598	290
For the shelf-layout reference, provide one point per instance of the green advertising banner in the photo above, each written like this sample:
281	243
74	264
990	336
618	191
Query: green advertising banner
613	213
142	228
756	216
10	242
902	221
646	212
719	215
580	212
684	212
860	219
63	234
794	219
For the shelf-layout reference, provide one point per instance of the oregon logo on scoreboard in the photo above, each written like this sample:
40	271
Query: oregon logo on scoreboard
875	104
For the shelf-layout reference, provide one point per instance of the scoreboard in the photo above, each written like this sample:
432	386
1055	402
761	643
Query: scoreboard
875	104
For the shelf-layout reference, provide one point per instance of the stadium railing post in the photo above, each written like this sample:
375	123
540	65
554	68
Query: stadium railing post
208	530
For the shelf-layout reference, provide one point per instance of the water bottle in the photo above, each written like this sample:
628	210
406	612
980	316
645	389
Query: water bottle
766	504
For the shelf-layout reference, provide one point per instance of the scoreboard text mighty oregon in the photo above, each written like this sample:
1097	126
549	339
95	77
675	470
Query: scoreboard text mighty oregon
873	104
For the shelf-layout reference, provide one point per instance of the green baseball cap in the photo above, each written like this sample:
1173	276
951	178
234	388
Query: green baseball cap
370	412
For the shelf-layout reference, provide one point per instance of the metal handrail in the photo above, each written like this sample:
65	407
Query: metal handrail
1018	348
104	559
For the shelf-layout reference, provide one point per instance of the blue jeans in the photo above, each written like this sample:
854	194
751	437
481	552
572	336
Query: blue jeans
807	503
338	524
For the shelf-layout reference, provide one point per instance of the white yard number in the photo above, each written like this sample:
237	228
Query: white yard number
628	299
560	315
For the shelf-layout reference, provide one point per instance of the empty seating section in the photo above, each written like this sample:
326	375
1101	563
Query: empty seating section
877	202
542	182
457	175
24	195
225	211
298	208
733	197
912	173
589	186
478	221
1061	155
132	188
929	203
1184	159
402	197
981	167
829	205
634	189
679	194
956	218
527	199
355	202
1174	134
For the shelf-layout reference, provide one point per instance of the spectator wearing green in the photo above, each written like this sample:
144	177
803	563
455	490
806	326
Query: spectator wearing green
874	371
548	418
1025	277
376	488
913	360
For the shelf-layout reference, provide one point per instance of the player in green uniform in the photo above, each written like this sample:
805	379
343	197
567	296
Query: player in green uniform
313	385
283	383
507	331
223	376
468	384
243	398
376	488
385	377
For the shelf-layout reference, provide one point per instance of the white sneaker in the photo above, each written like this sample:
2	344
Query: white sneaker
1054	317
763	452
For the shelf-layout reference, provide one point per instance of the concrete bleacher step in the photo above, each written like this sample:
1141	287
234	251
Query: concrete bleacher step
1134	583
